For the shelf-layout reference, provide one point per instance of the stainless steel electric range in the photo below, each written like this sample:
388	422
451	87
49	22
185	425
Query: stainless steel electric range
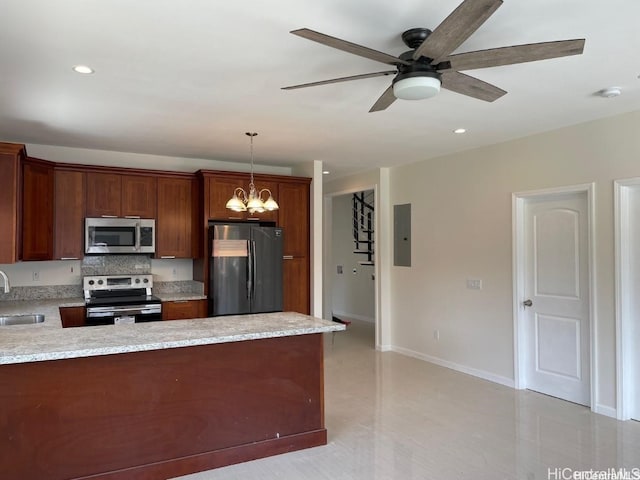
120	299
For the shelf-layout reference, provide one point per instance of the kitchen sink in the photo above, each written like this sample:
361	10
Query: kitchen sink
21	319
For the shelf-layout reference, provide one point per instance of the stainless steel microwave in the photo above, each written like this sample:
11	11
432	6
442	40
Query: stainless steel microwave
119	235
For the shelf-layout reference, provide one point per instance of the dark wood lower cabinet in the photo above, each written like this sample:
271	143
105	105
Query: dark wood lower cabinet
184	309
73	316
161	413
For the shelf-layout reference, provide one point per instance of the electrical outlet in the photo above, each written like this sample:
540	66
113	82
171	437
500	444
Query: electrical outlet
339	270
174	272
36	276
355	271
436	335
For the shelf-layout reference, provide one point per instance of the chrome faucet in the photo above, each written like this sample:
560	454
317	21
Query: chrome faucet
6	281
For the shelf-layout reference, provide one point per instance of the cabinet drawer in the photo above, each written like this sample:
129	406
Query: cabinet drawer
184	309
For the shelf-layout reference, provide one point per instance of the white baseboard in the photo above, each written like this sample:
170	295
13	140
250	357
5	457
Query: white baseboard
508	382
605	410
355	316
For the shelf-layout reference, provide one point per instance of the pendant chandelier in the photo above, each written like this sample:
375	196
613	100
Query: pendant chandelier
241	201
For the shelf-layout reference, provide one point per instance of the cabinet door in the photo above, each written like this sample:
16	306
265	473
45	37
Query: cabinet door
72	316
37	211
138	196
220	191
10	159
174	225
69	214
295	284
184	309
294	217
104	194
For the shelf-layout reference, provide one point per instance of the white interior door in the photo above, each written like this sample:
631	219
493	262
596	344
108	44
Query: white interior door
557	330
632	287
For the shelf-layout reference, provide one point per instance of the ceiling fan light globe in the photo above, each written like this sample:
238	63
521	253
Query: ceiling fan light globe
416	88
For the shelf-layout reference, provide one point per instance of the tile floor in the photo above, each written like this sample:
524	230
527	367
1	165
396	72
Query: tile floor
393	417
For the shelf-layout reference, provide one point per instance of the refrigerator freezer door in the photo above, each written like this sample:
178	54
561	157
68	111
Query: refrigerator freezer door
229	270
267	246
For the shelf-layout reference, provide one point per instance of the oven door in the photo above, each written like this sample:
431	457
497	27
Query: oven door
123	314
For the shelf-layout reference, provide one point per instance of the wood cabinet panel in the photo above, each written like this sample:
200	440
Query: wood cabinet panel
139	196
184	309
294	217
11	156
37	210
104	194
69	202
295	284
73	316
174	225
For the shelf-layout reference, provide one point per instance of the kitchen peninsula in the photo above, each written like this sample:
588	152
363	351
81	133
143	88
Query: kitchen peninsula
157	400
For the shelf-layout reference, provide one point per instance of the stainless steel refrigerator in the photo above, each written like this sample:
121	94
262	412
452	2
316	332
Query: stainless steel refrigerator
245	269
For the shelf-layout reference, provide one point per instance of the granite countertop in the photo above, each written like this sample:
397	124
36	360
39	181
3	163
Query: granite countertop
49	341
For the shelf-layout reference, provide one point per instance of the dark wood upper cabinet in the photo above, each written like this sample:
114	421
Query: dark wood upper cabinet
104	194
69	203
174	226
11	156
293	199
139	196
37	210
296	285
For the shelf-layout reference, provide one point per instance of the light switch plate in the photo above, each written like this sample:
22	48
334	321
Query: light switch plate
474	284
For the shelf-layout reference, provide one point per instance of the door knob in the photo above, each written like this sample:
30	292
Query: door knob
527	303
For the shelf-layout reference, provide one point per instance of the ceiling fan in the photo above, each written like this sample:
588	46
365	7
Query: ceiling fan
421	71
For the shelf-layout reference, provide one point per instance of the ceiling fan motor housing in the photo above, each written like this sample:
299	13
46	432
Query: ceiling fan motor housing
416	81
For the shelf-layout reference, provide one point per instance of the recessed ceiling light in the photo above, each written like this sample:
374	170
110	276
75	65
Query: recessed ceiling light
460	130
82	69
326	172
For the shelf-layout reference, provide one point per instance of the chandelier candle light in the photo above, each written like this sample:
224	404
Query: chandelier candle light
241	201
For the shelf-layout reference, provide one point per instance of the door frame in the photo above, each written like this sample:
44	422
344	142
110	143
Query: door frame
624	349
518	201
327	254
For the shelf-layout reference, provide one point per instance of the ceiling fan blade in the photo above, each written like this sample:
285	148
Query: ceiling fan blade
342	79
471	86
386	99
456	28
531	52
348	46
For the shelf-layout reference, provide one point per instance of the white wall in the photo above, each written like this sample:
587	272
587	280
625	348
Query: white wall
461	228
353	294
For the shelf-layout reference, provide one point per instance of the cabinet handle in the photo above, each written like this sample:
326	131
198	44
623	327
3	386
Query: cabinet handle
180	301
132	216
235	218
109	216
255	219
287	257
167	256
69	258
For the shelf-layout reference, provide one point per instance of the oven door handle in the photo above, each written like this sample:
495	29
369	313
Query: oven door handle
126	310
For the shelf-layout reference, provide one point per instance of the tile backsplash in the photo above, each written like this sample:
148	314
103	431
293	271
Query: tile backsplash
116	265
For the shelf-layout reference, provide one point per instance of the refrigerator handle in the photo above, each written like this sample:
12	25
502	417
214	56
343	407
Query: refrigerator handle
255	267
249	270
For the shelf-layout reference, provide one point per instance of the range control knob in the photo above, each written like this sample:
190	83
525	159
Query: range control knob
146	280
91	282
137	280
100	282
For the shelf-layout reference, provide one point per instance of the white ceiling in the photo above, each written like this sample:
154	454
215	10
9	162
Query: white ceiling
188	78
